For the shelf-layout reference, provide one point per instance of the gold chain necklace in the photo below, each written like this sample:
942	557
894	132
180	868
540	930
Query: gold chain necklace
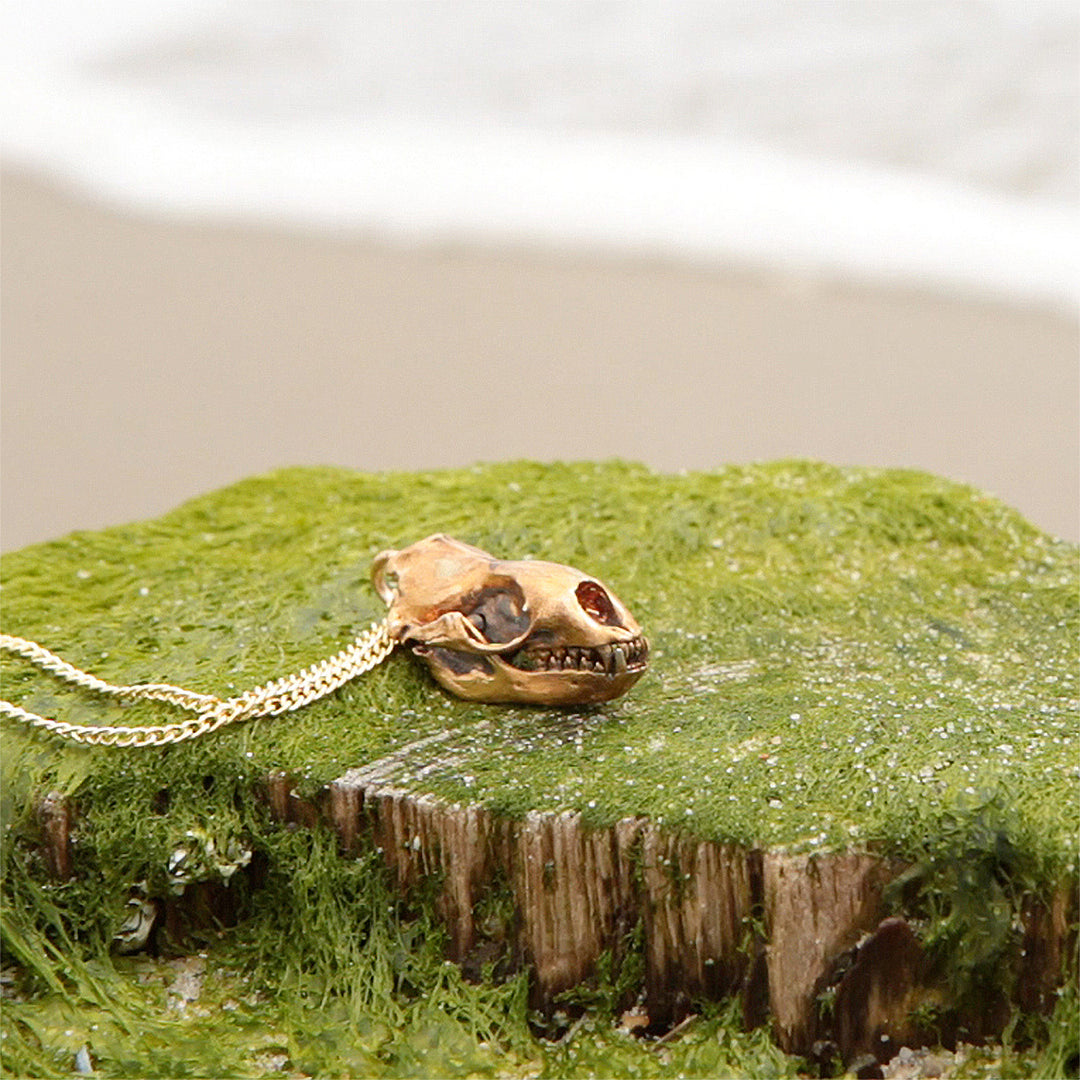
489	630
282	695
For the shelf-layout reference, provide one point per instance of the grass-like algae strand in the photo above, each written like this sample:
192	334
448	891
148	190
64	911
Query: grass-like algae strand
842	659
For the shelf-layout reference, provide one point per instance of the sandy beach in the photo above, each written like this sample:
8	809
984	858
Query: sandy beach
146	361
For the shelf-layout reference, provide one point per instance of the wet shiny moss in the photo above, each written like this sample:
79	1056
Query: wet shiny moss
840	658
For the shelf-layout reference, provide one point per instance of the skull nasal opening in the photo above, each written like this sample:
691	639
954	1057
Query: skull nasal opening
596	603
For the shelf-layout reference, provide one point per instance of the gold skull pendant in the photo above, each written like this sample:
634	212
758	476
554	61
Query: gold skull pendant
492	630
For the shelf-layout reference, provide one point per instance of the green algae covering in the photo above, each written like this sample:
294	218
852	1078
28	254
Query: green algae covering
841	658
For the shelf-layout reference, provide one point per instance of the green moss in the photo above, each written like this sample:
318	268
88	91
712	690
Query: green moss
327	972
838	654
841	657
712	1046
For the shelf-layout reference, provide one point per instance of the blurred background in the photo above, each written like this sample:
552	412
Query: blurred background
403	235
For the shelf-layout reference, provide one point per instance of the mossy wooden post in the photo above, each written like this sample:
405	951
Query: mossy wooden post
847	780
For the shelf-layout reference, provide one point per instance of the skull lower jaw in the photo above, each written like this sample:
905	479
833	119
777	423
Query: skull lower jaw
492	679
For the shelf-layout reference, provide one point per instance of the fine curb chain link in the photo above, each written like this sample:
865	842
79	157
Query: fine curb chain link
369	650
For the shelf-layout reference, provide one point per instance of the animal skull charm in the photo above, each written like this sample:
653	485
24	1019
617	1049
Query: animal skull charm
491	630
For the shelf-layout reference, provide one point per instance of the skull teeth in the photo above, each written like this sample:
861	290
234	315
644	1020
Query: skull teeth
606	659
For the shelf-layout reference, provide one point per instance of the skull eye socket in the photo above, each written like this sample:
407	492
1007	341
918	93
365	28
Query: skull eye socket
499	612
596	603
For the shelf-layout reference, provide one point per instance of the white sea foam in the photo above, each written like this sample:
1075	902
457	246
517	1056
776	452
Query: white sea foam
770	135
